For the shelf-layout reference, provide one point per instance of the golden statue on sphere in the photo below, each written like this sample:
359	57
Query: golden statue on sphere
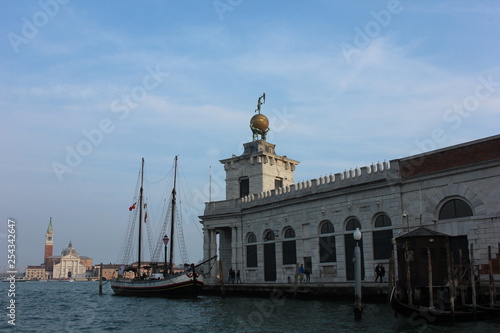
259	124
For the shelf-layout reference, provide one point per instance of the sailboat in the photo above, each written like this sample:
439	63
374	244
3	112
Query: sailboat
186	284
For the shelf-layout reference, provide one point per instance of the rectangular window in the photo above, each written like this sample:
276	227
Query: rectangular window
382	244
278	182
244	187
289	253
327	251
252	255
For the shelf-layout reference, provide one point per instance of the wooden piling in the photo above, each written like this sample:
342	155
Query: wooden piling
100	279
451	281
473	281
408	274
460	274
391	276
295	284
221	276
431	293
492	279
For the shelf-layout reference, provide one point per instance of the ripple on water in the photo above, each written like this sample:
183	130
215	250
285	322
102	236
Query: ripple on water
77	307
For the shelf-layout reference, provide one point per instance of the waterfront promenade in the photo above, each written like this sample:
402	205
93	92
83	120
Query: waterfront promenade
373	292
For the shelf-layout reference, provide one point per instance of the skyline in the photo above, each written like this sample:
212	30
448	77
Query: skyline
88	89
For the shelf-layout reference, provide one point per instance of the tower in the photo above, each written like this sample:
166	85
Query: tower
49	242
258	169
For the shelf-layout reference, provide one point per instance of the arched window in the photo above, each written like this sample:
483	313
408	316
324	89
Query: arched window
251	250
382	221
455	208
352	224
269	236
289	247
327	228
327	250
289	232
252	238
382	239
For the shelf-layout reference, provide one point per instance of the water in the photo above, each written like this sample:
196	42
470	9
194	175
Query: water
77	307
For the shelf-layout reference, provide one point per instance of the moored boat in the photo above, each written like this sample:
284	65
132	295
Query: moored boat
437	315
153	284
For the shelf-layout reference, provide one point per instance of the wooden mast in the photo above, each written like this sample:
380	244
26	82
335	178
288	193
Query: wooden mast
140	221
172	221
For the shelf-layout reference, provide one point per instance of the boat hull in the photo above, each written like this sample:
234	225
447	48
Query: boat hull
182	286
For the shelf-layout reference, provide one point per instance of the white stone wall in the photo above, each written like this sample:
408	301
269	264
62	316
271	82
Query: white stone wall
69	264
362	193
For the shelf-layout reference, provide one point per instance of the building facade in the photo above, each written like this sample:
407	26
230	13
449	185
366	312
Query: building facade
71	265
68	265
35	273
268	224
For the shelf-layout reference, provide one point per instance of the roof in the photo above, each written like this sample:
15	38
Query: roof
49	229
422	232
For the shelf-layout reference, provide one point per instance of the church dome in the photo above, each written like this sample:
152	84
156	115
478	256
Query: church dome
70	250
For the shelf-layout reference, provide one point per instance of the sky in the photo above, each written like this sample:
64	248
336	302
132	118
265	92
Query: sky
88	88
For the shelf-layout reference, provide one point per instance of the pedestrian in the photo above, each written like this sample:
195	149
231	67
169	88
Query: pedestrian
308	276
301	273
380	272
238	278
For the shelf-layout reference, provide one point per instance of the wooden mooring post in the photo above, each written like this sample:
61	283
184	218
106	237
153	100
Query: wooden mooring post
473	281
221	276
461	278
431	293
392	275
408	274
100	279
492	279
451	281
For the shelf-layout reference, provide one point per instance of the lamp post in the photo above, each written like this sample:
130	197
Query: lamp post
358	307
165	241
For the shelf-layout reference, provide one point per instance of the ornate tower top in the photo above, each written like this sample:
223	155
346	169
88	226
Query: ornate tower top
49	229
49	242
259	124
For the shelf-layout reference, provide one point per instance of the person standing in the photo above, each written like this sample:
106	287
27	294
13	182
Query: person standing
238	278
301	273
380	272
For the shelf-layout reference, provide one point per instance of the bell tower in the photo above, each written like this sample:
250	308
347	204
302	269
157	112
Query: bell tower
258	169
49	242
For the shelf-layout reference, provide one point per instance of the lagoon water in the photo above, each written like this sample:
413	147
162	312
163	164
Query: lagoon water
77	307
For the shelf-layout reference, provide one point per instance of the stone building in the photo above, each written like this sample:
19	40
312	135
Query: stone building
72	265
68	265
268	224
35	273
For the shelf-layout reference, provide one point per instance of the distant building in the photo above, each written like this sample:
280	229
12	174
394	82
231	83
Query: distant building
268	224
35	273
68	265
71	265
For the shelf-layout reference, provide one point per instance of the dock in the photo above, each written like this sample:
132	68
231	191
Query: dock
372	292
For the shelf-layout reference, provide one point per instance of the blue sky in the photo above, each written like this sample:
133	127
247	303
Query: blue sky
347	84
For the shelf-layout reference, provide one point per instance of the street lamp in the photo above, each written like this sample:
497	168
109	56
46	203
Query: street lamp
358	307
165	241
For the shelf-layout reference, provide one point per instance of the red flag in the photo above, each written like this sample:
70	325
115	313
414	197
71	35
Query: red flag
132	207
146	217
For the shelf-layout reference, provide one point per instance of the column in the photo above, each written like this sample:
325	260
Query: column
206	249
213	251
234	240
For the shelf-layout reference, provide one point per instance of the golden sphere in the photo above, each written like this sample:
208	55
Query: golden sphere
260	121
